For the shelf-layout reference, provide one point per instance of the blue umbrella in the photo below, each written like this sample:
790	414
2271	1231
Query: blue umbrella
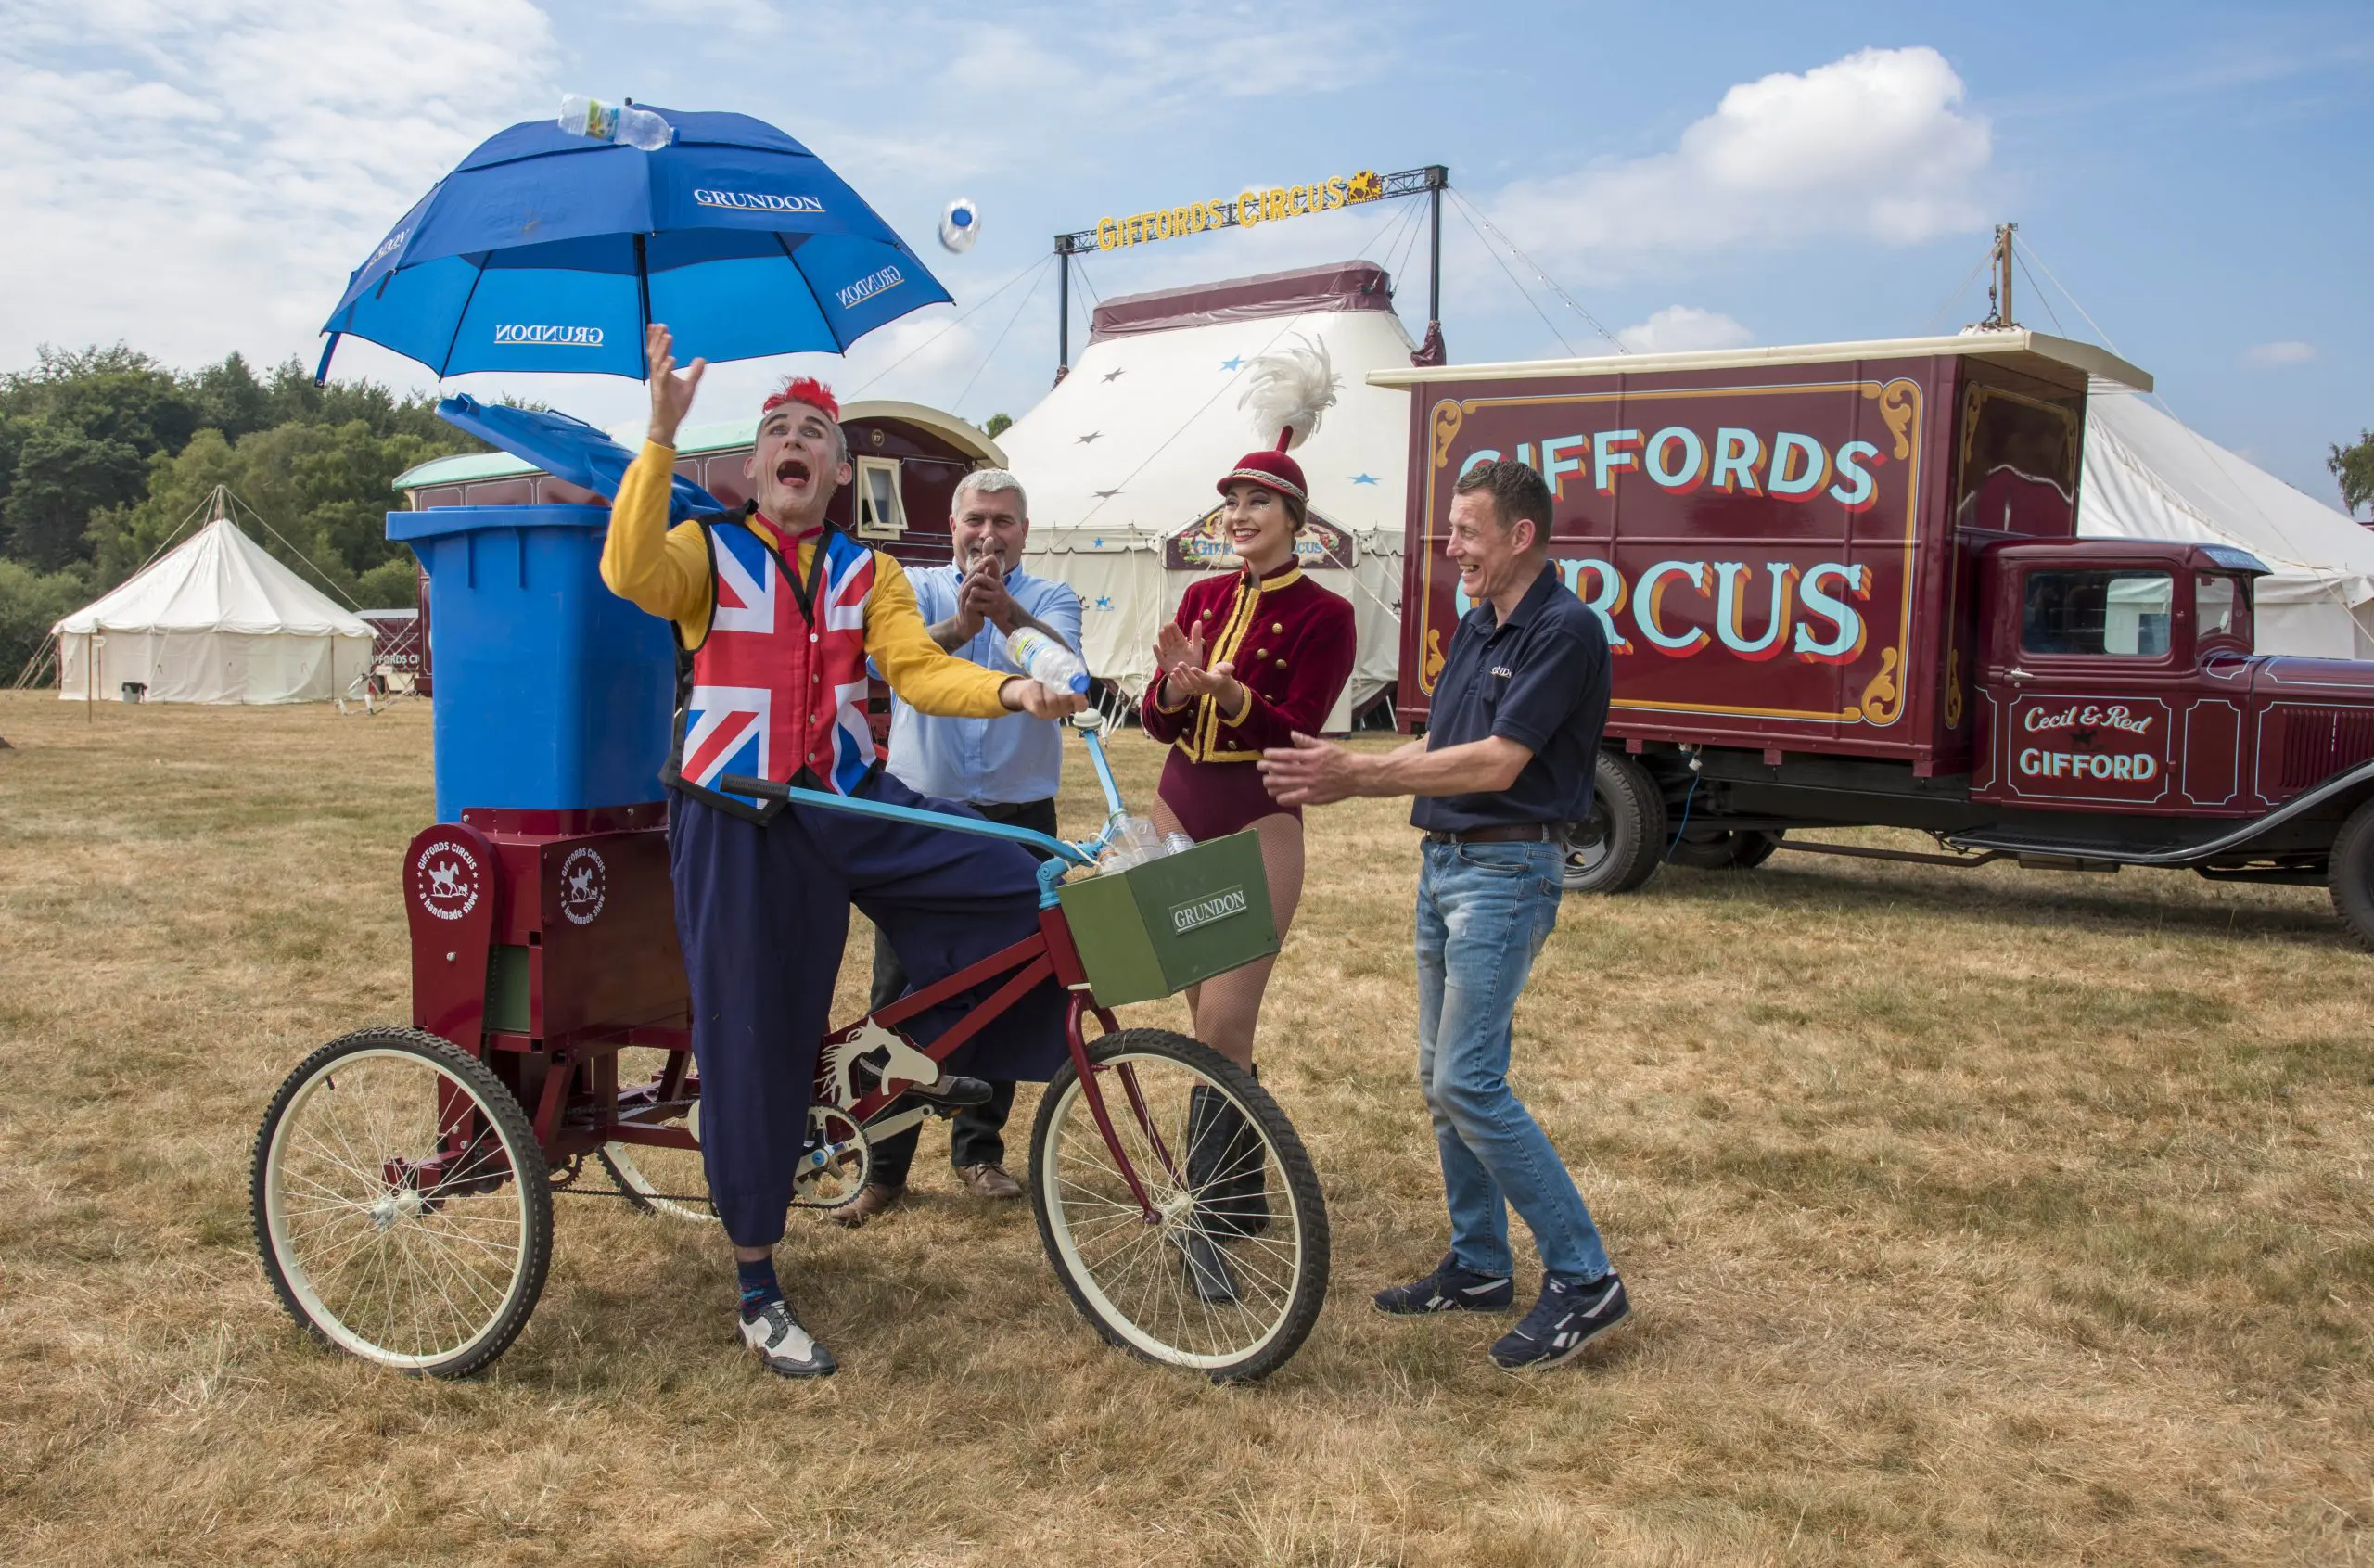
547	251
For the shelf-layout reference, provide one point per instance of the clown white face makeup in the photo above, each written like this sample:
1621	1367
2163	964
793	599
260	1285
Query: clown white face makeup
1257	527
800	461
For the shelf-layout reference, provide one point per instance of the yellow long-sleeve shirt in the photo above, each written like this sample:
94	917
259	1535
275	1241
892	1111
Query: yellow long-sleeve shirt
666	573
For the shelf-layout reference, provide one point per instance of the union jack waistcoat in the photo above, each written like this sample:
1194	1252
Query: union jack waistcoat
778	684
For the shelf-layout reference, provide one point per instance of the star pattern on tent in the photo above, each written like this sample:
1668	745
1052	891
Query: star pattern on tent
1364	478
1104	494
1090	437
1104	601
1231	362
1115	374
1097	543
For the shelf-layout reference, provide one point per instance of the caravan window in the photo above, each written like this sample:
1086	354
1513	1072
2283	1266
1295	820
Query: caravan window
2096	612
880	513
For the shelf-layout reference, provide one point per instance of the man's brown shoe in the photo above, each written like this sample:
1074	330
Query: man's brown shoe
873	1201
988	1181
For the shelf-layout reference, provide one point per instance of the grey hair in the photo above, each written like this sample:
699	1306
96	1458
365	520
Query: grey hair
989	481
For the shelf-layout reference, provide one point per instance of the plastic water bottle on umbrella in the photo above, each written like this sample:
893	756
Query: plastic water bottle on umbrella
623	123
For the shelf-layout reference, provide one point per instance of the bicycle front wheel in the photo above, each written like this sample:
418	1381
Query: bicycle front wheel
1215	1257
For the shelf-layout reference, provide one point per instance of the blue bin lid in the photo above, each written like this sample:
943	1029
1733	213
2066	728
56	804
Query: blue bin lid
439	522
568	449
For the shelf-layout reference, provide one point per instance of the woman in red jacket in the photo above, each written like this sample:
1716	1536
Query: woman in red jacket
1252	657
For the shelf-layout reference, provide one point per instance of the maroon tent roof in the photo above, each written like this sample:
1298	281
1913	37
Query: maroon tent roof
1340	286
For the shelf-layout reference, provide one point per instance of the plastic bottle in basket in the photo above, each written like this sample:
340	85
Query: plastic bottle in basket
1176	843
1046	660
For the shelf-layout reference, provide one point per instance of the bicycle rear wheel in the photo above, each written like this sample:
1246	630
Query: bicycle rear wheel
1223	1267
402	1203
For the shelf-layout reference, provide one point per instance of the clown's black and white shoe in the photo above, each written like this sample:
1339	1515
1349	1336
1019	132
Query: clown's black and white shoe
786	1348
1562	1322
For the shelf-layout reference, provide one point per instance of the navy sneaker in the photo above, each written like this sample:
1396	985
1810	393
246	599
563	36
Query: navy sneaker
1562	1322
1448	1289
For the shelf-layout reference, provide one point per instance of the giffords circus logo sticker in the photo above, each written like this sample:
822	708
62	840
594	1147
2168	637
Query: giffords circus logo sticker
858	293
757	202
518	334
1204	911
584	885
445	879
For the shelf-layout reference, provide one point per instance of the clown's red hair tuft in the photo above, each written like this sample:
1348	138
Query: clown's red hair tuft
803	389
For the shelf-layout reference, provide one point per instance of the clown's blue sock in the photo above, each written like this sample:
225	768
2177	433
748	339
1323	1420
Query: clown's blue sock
759	1286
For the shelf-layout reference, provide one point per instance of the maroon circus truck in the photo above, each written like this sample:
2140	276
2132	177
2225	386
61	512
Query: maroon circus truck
1843	587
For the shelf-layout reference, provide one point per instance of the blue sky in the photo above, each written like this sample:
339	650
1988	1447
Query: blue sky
199	178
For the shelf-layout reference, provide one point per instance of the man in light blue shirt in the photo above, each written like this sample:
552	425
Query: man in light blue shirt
1006	768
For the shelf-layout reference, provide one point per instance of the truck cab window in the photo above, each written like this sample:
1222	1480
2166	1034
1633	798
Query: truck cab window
2212	605
2121	613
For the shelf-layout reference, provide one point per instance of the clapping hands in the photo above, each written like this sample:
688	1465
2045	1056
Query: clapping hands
1179	654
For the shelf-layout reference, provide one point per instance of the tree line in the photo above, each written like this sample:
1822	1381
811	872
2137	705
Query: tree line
104	452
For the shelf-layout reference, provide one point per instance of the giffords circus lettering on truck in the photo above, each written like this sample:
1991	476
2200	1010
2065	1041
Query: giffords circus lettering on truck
1747	550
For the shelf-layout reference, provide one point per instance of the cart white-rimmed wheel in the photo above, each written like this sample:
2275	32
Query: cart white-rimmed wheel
672	1182
1246	1216
402	1204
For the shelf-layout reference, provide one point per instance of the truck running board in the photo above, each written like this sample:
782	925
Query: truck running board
1917	857
2237	839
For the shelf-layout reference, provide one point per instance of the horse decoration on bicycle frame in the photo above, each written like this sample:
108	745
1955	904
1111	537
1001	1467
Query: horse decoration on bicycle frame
402	1184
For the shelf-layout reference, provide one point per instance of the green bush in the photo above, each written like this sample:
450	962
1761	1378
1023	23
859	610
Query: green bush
30	603
391	585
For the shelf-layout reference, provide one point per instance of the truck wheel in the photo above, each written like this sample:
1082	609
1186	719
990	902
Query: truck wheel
1718	850
2351	875
1617	847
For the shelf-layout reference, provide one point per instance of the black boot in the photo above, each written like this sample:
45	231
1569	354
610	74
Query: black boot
1224	1165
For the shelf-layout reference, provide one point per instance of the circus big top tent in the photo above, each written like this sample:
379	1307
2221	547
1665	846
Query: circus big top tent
2148	476
1120	460
217	620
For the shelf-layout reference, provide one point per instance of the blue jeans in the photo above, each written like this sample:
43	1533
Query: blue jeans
1484	911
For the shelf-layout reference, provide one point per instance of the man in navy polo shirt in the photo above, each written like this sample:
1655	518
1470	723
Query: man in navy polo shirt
1510	744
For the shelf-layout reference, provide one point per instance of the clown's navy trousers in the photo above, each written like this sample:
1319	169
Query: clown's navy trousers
763	913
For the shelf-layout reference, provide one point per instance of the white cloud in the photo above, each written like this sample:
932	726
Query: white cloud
2284	351
1679	329
1875	146
201	176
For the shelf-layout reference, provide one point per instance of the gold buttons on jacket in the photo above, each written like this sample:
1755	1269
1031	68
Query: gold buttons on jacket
1261	653
1281	664
1277	629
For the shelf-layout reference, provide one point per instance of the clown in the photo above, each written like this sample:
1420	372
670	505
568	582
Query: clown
780	613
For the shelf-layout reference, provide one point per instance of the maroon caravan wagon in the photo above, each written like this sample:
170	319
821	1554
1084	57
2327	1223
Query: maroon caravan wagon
404	1175
1843	587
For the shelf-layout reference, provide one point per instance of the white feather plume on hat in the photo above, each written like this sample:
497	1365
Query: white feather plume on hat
1290	390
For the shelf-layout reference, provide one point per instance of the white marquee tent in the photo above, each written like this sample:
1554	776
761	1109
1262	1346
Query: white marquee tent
1121	458
2148	476
216	620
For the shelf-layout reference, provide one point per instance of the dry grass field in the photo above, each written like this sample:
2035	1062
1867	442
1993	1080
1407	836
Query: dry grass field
1980	1217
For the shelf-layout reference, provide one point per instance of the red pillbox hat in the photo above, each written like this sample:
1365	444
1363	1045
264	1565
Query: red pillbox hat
1275	470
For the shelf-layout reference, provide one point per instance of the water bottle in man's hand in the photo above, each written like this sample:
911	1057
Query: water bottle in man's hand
1046	660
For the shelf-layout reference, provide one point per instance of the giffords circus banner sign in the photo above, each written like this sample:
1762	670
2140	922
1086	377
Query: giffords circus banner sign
1747	550
1249	207
1205	547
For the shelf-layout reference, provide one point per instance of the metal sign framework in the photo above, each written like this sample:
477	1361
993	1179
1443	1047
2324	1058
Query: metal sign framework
1430	180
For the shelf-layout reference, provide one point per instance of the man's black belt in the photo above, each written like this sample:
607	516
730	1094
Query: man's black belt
1501	832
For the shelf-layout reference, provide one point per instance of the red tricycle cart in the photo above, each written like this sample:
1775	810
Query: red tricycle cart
404	1178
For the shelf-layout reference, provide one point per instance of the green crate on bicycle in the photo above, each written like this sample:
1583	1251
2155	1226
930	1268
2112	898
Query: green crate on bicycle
1160	927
